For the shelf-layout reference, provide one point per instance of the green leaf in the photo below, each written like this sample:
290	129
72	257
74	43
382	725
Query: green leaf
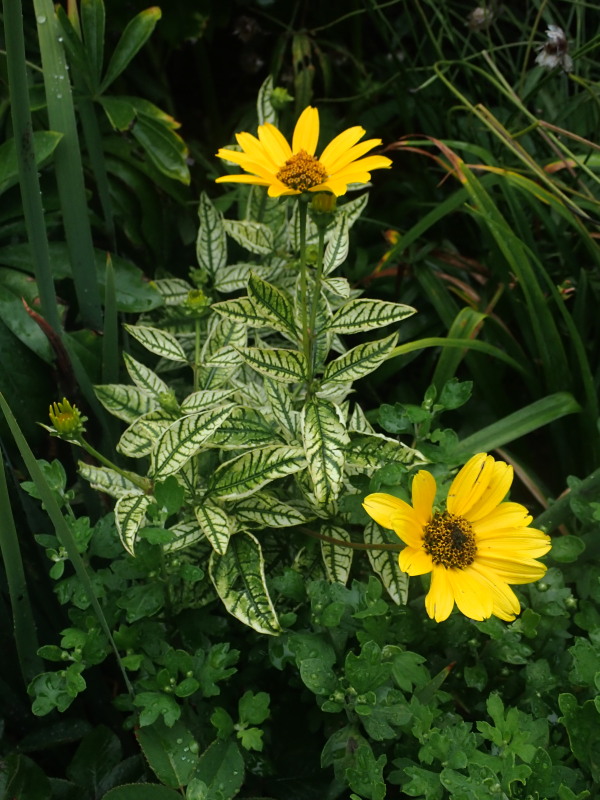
155	705
171	752
23	779
99	752
130	514
337	559
273	304
221	769
174	291
234	277
288	366
184	439
268	511
44	144
165	148
325	438
92	17
264	104
141	791
120	111
249	472
245	427
253	709
183	535
365	315
385	564
376	450
216	525
107	480
239	578
566	549
281	406
254	236
243	310
336	251
141	437
156	341
360	361
134	37
124	401
143	377
205	399
211	243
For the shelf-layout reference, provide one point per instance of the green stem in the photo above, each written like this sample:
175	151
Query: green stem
315	300
303	216
197	355
142	483
352	545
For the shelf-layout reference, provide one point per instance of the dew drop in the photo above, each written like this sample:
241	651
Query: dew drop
41	19
179	741
60	39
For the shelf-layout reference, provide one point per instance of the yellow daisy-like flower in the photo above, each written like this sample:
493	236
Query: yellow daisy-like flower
474	549
270	161
66	419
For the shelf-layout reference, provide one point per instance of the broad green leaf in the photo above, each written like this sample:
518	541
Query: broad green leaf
204	399
226	357
134	37
184	534
78	58
273	304
107	481
281	406
171	752
184	439
385	564
44	143
211	243
294	230
216	525
141	437
337	559
92	16
336	251
234	277
165	148
264	104
120	112
125	402
13	314
220	772
245	427
366	315
358	423
354	208
130	513
143	377
248	473
174	291
254	236
266	510
360	361
156	341
288	366
239	578
325	439
141	791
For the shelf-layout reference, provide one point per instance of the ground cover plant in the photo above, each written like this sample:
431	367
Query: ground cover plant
314	511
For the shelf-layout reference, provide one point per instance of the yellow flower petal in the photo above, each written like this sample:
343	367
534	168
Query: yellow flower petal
423	495
306	132
415	561
469	484
243	179
518	546
333	165
472	595
363	165
274	143
439	601
511	570
506	515
339	145
506	603
253	147
495	492
392	513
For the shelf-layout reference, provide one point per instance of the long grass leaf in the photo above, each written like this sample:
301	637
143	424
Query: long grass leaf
460	344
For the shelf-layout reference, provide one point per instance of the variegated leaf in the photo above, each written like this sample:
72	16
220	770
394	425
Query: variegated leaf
274	305
365	315
184	535
223	333
354	208
141	437
227	356
185	438
130	514
385	564
358	422
254	236
239	578
174	291
160	342
360	361
281	406
107	480
374	450
294	230
245	427
288	366
264	104
337	286
234	277
205	399
143	377
211	244
337	558
216	525
242	310
125	402
325	440
267	511
336	251
249	472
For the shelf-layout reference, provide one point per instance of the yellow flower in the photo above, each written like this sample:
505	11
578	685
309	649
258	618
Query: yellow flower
270	161
66	419
474	549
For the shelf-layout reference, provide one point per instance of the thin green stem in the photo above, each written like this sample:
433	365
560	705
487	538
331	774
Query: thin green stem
315	299
142	483
352	545
197	355
303	219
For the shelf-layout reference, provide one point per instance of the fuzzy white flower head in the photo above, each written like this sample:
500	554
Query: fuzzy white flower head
554	53
480	18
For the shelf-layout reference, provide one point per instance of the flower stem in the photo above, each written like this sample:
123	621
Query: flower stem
315	299
306	344
352	545
142	483
197	355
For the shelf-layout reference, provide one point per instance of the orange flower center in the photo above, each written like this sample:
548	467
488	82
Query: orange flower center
450	541
302	172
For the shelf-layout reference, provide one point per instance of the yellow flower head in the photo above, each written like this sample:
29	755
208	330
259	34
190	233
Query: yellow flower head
66	419
474	549
270	161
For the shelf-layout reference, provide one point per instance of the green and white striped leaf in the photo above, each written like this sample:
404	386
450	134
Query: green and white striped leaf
273	303
294	230
140	438
249	472
281	405
184	534
254	236
124	401
337	559
264	104
385	564
156	341
143	377
211	243
205	399
174	291
325	439
245	427
242	310
130	514
107	480
267	511
337	286
185	438
354	208
358	423
374	450
277	363
216	525
223	333
234	277
360	361
366	315
239	578
227	357
337	247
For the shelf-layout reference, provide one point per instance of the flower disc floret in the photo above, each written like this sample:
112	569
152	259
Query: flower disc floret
450	541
